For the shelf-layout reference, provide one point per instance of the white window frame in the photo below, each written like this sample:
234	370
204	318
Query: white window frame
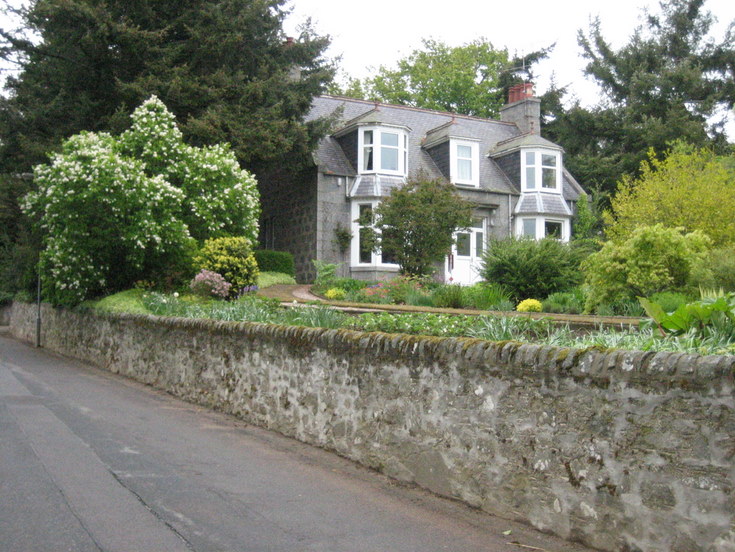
454	162
538	170
540	226
376	260
402	150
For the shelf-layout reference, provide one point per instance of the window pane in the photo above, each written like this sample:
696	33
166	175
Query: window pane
389	139
387	254
464	169
368	159
464	152
552	229
478	223
366	254
463	245
549	176
389	159
530	178
368	137
366	212
530	158
529	228
548	160
478	244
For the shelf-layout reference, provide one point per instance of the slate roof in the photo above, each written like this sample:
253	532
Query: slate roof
425	125
375	185
539	203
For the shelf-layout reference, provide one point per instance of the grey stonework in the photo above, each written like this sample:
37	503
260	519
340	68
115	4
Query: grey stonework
290	204
620	450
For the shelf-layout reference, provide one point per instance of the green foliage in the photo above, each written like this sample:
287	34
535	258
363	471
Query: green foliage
720	269
130	300
233	259
103	219
268	279
450	296
587	223
326	273
652	259
222	65
417	221
116	210
5	298
461	79
670	81
471	79
529	305
691	188
487	296
706	318
335	294
275	261
669	300
530	268
568	302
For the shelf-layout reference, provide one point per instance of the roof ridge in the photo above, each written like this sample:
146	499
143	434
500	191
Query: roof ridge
419	109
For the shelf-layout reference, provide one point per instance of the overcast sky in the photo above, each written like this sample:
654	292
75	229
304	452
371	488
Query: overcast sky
371	33
378	32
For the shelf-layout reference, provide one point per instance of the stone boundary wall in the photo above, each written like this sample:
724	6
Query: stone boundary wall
623	451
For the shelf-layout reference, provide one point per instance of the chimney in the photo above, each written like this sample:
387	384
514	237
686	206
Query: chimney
523	109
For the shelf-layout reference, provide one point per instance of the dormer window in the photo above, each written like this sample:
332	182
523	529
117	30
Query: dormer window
465	162
383	150
541	170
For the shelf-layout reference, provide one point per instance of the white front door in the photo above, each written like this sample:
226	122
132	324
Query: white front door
463	265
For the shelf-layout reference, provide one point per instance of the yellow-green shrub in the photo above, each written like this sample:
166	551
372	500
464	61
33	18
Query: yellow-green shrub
335	294
232	258
529	305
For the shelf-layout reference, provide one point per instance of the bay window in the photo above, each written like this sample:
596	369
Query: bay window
541	170
383	150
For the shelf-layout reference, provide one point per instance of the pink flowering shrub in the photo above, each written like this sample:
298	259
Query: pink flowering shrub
210	284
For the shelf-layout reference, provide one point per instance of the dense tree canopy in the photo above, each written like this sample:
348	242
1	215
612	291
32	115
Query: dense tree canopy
471	79
691	189
666	83
222	66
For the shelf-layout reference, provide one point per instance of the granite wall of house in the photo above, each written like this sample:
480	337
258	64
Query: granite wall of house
624	451
333	212
290	202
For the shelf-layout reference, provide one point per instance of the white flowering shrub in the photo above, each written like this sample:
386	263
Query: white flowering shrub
220	198
114	210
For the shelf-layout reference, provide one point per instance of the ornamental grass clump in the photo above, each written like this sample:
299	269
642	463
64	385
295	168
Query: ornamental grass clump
210	284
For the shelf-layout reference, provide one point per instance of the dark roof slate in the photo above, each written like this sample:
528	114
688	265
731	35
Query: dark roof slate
331	159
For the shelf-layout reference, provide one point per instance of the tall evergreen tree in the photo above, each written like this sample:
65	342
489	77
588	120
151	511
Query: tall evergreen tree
666	83
222	66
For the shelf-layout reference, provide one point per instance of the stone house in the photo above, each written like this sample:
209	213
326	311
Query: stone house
514	177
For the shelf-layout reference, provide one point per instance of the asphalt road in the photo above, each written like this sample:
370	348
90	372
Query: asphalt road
91	461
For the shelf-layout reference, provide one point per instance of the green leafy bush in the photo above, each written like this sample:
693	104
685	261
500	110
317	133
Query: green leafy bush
652	259
720	272
449	296
706	318
669	300
335	294
326	273
233	259
487	296
530	268
275	261
567	302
